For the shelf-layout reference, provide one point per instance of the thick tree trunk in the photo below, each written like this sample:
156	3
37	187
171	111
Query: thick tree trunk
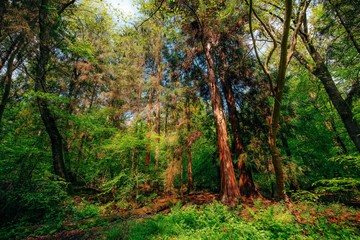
40	81
246	182
229	191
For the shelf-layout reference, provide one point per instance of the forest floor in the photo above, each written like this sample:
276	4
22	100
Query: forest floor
200	216
161	205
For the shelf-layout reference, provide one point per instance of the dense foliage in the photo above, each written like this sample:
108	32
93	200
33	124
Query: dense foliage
102	113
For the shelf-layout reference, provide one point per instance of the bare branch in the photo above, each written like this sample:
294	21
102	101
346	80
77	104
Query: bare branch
151	15
265	70
299	22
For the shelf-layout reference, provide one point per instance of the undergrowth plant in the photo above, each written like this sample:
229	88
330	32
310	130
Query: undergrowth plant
216	221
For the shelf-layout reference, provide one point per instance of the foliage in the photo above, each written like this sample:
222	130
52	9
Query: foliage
216	221
338	189
125	99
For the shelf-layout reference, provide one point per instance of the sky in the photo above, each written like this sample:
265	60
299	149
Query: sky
123	5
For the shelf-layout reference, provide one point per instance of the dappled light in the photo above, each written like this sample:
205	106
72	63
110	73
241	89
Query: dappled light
163	119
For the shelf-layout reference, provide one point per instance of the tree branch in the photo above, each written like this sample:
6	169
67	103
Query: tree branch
151	15
299	22
265	70
64	6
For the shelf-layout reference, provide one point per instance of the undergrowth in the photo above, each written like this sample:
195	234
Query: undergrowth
216	221
262	220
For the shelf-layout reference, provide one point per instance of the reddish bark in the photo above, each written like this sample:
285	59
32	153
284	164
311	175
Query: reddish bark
246	182
229	191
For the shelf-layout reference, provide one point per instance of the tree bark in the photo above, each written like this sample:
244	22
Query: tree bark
8	77
8	52
321	71
157	115
40	82
339	103
246	182
229	191
149	122
275	116
189	159
347	29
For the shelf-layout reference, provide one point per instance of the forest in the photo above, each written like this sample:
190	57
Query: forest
190	119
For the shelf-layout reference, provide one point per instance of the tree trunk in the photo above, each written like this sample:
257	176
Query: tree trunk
8	52
275	115
351	36
189	159
323	74
337	138
246	182
149	122
339	103
8	78
40	81
157	116
229	191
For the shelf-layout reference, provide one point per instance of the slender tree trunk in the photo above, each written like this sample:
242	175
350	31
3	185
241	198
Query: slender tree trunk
149	122
8	79
2	12
321	71
229	191
246	182
339	103
132	160
80	151
275	115
40	81
337	138
166	119
189	159
157	116
8	52
330	124
351	36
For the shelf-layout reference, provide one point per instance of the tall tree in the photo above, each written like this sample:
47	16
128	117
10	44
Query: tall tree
48	18
321	70
5	83
286	53
230	71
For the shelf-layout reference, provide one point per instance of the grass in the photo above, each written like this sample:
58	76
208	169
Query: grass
261	221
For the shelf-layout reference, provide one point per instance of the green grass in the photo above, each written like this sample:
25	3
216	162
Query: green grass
263	220
216	221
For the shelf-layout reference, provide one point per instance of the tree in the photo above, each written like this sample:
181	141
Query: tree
319	68
203	28
233	69
5	83
47	22
286	53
